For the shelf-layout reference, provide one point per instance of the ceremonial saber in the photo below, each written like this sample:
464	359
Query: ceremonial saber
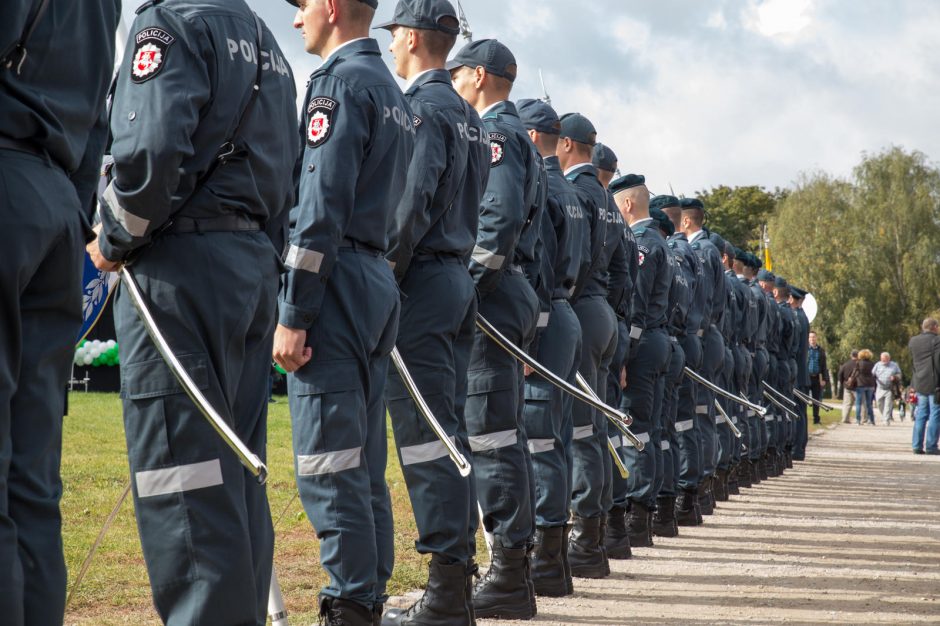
805	398
248	458
779	404
616	420
463	466
521	355
778	394
734	429
691	373
276	609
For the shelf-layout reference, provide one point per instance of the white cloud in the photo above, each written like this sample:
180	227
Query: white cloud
717	20
783	20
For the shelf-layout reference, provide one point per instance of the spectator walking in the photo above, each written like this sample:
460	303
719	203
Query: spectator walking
925	353
818	371
847	386
887	375
864	386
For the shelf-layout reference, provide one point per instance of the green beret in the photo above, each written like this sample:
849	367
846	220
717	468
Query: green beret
664	202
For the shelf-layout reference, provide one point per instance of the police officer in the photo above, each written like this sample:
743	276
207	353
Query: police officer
190	75
787	374
548	425
432	235
760	370
359	134
687	426
797	295
773	418
483	72
591	468
680	300
744	367
52	133
693	219
648	357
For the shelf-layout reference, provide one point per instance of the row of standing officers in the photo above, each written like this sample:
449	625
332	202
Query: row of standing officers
406	215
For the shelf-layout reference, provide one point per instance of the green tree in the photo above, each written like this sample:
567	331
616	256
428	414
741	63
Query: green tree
739	213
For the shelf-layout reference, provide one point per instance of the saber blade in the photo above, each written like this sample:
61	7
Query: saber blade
691	373
734	428
248	458
463	466
811	400
780	395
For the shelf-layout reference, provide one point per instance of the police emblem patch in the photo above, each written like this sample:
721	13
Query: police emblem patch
642	251
497	148
320	111
150	52
418	121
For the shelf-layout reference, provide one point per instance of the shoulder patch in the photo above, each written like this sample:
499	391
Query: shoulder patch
497	148
151	47
642	251
320	113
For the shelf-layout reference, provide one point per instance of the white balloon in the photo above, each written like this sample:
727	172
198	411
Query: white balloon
87	359
78	359
96	343
111	343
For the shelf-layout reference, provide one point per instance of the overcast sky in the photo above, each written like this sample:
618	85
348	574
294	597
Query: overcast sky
697	93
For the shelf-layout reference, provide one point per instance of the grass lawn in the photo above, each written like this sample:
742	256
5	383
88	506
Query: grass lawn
115	589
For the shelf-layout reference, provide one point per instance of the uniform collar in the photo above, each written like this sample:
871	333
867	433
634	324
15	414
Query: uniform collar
348	48
579	168
696	236
437	74
643	223
679	237
498	108
552	164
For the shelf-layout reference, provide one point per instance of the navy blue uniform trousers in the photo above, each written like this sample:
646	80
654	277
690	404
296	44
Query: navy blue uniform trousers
688	427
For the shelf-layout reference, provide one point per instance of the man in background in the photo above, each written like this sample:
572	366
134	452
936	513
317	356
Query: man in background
818	372
925	353
887	376
848	395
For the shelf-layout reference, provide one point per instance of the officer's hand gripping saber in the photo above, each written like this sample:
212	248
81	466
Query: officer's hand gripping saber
463	466
788	413
734	428
248	458
622	420
691	373
778	394
809	399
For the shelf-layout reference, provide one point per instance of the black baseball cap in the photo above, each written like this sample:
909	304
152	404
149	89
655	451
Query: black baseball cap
372	3
423	14
489	54
578	128
538	115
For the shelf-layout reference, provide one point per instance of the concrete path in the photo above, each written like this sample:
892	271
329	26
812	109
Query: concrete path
849	536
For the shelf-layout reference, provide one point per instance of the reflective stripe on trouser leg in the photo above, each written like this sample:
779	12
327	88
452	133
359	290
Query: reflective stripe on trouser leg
41	318
500	462
687	429
439	300
184	476
543	417
348	503
598	332
644	370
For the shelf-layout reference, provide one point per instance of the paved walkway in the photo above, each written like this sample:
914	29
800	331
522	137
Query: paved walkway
849	536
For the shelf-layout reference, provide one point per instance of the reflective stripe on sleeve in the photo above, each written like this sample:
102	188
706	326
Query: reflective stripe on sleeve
329	462
543	320
582	432
663	445
488	259
136	226
177	479
635	332
684	425
538	446
644	437
303	259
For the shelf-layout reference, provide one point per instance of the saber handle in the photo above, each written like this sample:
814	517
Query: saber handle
463	466
780	405
248	458
807	398
734	428
779	394
621	424
691	373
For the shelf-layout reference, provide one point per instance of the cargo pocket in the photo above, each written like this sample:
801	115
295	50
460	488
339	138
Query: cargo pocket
537	415
164	432
492	400
330	418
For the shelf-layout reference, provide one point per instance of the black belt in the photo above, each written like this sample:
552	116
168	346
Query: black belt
437	256
221	223
358	246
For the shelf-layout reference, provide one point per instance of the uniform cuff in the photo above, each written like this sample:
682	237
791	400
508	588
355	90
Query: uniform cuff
295	317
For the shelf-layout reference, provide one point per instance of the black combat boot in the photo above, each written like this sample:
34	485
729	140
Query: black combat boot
686	505
504	592
547	562
705	503
664	519
471	574
755	472
616	540
638	528
788	456
444	600
377	611
733	488
744	474
720	485
343	612
601	536
763	466
585	552
569	583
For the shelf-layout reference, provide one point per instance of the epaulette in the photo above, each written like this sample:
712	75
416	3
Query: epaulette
639	232
327	66
671	243
696	245
146	5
